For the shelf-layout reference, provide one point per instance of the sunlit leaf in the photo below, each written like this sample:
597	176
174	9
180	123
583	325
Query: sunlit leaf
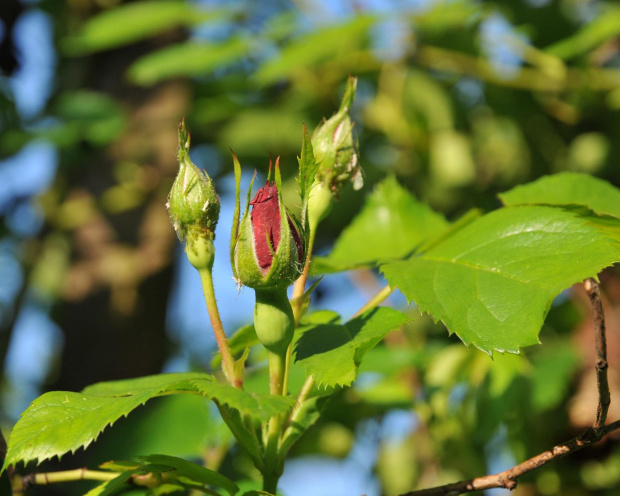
132	22
493	281
60	422
186	59
312	48
332	353
390	226
568	188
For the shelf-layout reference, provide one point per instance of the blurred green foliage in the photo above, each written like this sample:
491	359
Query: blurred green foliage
457	100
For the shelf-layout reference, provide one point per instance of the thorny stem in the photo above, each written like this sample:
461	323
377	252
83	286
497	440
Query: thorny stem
594	293
508	478
228	362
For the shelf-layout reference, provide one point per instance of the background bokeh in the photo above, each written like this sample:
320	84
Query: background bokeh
458	99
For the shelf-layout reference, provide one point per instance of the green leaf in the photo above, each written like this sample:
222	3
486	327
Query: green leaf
391	225
147	384
568	188
492	281
591	35
111	486
61	422
191	474
327	353
313	48
133	22
332	353
319	317
186	59
260	407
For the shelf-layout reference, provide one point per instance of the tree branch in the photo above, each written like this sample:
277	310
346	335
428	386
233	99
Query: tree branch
604	399
508	478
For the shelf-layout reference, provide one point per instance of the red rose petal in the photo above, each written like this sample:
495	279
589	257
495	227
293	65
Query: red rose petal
265	216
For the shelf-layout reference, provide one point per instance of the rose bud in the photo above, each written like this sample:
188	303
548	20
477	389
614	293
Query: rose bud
268	245
335	149
193	205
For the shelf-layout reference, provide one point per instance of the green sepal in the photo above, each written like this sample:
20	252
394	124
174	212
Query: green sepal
234	233
349	94
244	227
308	167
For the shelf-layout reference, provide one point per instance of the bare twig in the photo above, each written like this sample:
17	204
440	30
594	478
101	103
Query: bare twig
594	293
508	478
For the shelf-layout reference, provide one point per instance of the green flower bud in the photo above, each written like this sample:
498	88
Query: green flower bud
268	246
335	149
193	205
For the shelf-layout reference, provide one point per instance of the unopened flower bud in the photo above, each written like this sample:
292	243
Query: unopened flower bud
268	245
335	149
193	204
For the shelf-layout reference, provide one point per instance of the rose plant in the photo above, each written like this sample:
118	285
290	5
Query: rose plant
490	278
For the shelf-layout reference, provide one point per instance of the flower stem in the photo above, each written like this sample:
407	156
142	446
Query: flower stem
74	475
273	460
375	300
20	484
300	283
297	299
228	362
